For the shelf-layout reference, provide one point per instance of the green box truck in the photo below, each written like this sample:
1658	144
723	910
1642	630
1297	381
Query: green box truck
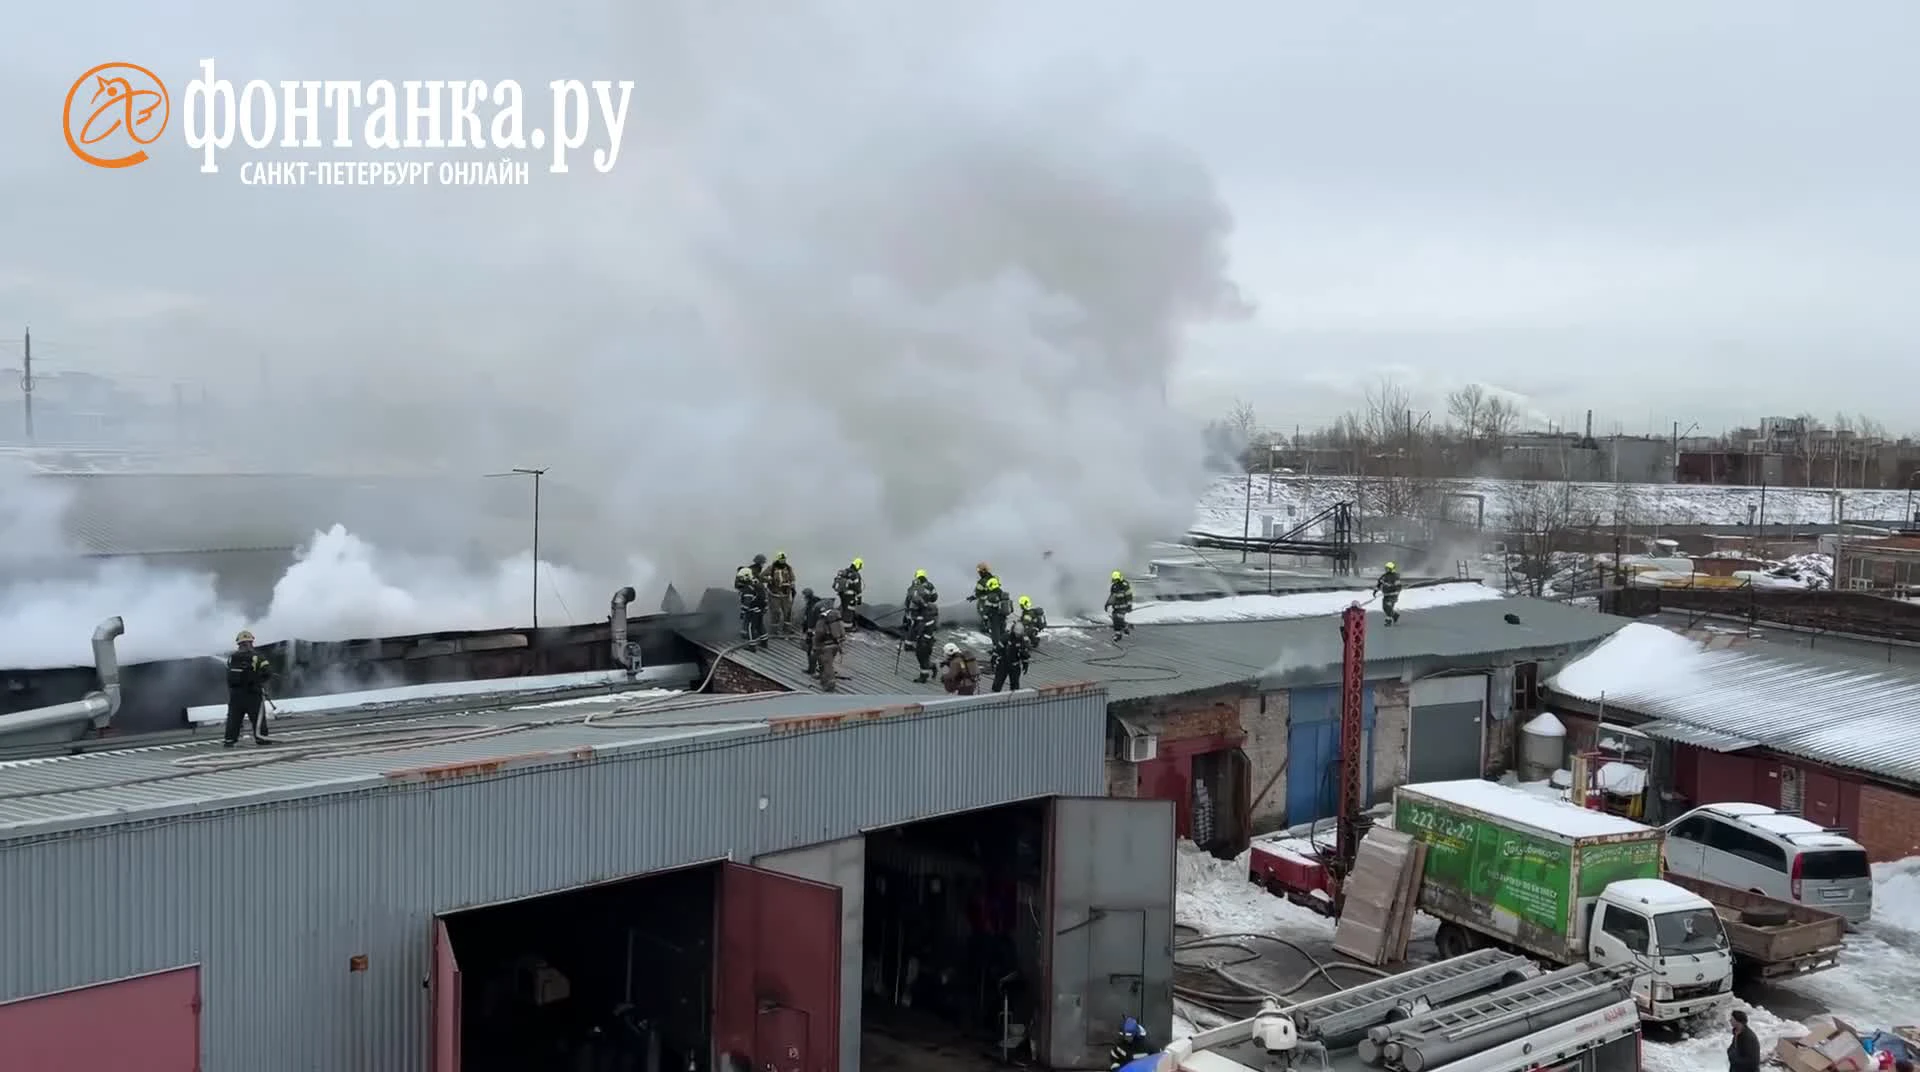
1507	868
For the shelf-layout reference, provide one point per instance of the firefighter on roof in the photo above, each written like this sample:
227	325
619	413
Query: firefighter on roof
1388	586
1120	604
1033	619
780	587
995	608
848	584
923	617
248	675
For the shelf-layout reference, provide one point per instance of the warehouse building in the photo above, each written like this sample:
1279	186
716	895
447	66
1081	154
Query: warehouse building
1830	737
724	882
1236	722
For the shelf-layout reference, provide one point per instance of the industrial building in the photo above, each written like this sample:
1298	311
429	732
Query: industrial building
1832	737
1236	721
798	882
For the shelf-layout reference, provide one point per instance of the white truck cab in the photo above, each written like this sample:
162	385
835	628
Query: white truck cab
1674	937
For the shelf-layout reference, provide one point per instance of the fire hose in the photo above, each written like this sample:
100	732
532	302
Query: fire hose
1243	992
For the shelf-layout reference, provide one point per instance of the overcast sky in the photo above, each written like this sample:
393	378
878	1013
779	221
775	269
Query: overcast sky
1700	212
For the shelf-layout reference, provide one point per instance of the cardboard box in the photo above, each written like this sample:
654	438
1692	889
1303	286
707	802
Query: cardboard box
1828	1046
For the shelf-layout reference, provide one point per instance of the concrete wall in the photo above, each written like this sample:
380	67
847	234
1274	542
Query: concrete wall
840	863
1264	717
1392	724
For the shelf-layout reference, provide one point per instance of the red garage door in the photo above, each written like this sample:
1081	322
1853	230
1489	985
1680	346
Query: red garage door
147	1023
777	972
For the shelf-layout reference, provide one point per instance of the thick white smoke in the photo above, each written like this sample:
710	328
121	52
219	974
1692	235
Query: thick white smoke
854	289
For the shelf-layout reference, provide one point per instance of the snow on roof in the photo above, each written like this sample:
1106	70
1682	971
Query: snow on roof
1303	604
1545	724
1785	824
1637	653
1656	893
1844	710
1526	809
1737	809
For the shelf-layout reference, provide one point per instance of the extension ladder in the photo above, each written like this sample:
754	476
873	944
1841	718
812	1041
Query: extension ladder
1361	1007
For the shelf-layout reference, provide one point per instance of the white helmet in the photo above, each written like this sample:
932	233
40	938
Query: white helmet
950	650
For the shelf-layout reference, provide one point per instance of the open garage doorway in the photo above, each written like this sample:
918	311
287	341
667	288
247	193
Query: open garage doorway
616	975
954	924
721	967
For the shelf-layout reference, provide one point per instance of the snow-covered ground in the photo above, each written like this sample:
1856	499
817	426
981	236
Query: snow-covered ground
1876	985
1301	604
1222	509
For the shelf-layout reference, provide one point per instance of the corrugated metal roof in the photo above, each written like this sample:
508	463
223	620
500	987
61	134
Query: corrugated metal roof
1699	737
43	795
1173	659
1829	708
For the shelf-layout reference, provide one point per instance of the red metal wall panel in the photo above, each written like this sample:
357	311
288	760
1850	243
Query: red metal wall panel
1722	778
444	985
777	971
1169	774
148	1023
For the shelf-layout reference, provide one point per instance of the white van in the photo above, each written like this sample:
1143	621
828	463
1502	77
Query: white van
1754	847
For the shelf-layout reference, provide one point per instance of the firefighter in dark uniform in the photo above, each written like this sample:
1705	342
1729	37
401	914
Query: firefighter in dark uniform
810	607
1010	656
1033	619
923	618
248	675
751	583
1120	604
995	608
849	584
780	585
1389	588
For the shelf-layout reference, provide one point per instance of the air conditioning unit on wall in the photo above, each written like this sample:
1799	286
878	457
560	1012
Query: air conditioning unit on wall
1142	747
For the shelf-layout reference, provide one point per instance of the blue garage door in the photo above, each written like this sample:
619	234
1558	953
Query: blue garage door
1313	753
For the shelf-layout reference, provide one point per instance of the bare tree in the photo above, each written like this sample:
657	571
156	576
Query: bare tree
1243	420
1539	516
1498	416
1466	407
1389	410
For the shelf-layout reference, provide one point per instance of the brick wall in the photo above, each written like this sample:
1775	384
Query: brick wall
1264	718
1392	721
1182	719
1889	823
1123	778
731	677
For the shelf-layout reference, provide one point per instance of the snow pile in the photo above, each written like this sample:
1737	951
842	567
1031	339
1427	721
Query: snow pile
1639	658
1896	895
1708	1051
1213	896
1303	604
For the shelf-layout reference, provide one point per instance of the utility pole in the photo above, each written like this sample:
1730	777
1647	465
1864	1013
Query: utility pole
536	474
26	382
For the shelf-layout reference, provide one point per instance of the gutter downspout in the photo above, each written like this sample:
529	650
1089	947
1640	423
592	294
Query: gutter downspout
96	707
617	623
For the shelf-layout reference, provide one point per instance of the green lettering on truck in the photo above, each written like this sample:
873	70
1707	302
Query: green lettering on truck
1604	864
1522	876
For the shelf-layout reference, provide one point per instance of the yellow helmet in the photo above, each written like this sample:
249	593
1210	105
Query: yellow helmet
1118	576
993	584
779	556
859	562
919	575
244	636
1026	601
1391	567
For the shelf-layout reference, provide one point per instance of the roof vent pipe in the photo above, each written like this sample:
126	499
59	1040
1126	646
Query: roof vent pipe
617	621
97	708
106	661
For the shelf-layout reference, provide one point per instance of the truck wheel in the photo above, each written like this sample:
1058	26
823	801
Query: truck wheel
1452	941
1765	915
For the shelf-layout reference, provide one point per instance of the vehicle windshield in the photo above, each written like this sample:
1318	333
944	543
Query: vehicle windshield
1696	930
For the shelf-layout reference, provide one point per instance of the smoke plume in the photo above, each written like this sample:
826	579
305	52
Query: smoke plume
854	289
